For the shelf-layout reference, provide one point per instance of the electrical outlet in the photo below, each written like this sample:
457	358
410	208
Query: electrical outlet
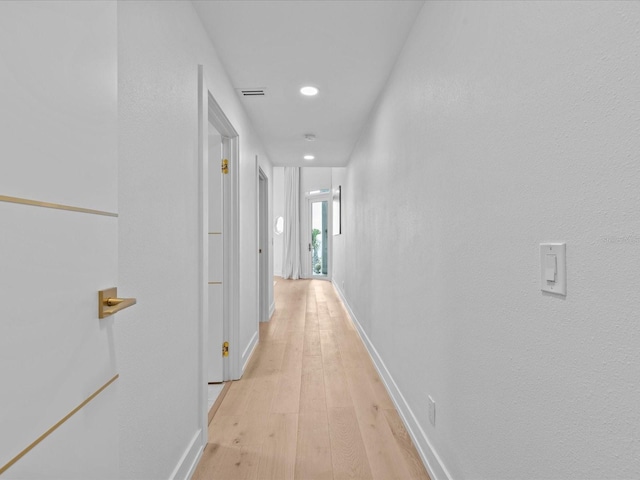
432	411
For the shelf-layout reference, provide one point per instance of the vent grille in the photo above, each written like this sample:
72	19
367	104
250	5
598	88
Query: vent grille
252	92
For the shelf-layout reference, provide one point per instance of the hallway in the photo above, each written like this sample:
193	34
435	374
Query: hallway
310	404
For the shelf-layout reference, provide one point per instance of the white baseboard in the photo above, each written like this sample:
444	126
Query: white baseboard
272	309
430	458
189	461
248	352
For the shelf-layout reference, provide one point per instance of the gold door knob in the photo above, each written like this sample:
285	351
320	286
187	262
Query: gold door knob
109	298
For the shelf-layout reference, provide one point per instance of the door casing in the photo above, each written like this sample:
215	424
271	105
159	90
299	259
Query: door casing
209	112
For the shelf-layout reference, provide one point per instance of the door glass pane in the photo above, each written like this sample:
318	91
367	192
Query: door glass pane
319	243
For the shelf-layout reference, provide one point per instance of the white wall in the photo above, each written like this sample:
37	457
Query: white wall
314	178
503	125
338	265
160	47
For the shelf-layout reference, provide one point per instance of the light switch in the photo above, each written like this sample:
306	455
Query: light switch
553	270
551	267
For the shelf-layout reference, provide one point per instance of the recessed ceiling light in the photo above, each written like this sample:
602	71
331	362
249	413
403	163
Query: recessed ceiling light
309	91
309	157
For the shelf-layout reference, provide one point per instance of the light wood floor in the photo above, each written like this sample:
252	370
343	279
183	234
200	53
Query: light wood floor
310	404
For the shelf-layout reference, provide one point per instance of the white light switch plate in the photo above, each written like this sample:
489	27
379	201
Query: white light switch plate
559	250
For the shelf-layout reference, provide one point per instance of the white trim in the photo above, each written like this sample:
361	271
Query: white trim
210	112
189	460
231	327
250	349
257	247
430	458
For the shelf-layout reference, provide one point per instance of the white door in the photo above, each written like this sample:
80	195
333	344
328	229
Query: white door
58	239
217	147
263	246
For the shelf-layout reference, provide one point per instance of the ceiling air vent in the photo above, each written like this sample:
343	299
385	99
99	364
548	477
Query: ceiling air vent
252	92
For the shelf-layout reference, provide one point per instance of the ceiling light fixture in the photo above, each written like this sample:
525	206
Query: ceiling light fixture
309	91
309	137
309	157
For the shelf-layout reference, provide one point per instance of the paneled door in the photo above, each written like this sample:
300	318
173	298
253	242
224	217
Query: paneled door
58	239
218	151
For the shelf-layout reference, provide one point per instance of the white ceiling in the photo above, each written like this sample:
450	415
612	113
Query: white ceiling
346	48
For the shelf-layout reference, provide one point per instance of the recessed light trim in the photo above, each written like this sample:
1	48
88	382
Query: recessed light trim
309	157
309	91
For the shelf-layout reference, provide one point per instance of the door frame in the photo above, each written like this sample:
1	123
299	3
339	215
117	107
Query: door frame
307	270
264	244
210	112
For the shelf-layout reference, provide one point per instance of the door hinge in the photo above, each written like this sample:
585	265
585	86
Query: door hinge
225	166
225	349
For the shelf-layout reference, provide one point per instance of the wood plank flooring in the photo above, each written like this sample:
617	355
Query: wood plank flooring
310	404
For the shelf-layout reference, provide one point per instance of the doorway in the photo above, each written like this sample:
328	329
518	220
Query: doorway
318	258
216	275
263	246
218	278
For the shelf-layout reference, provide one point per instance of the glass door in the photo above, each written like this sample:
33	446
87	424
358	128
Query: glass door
319	238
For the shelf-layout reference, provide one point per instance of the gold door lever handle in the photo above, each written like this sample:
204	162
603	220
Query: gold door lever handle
109	298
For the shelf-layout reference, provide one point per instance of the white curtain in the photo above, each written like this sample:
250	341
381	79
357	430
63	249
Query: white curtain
291	243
